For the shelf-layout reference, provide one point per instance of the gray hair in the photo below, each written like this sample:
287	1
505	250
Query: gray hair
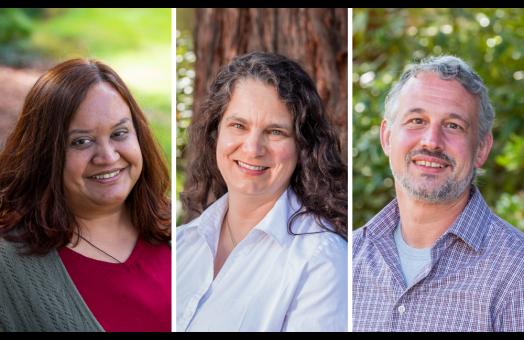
448	68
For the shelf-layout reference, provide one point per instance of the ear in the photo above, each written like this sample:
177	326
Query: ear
385	134
483	150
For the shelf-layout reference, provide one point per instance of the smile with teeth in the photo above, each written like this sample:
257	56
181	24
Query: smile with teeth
251	167
430	164
107	175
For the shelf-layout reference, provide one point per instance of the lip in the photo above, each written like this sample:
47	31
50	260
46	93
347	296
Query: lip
249	169
109	180
430	164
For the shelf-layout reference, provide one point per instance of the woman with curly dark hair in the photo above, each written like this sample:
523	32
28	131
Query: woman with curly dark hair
270	254
85	219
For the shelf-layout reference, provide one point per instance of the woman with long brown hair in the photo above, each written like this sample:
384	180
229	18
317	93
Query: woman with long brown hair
270	253
85	219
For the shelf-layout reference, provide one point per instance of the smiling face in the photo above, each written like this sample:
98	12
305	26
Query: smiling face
256	151
103	158
433	144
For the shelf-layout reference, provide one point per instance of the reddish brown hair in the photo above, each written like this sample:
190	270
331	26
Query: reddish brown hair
33	210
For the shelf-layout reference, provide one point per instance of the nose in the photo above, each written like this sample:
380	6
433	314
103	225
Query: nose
105	153
254	144
432	138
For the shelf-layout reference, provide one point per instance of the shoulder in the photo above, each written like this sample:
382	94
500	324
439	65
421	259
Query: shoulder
187	228
316	245
311	237
188	239
17	269
504	247
505	241
208	218
358	236
9	255
12	259
503	253
505	235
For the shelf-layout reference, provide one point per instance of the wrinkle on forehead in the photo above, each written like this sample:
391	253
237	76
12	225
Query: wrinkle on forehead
258	104
428	89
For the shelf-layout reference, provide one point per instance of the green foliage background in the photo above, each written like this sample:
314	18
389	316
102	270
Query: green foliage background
491	41
184	111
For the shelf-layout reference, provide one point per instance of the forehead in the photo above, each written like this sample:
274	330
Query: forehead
254	99
101	105
427	91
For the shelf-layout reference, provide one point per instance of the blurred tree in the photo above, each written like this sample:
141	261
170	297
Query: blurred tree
316	38
185	76
385	41
16	26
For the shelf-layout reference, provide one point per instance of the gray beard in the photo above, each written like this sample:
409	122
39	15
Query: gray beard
449	191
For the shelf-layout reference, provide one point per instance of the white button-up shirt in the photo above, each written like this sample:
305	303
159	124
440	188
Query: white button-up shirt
271	281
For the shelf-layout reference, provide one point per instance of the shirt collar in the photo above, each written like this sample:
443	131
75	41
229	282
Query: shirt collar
385	222
209	223
470	225
273	224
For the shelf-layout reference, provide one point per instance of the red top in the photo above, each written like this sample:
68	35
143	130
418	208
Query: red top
134	296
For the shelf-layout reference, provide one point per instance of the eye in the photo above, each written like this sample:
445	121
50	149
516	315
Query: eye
81	142
416	121
237	126
454	126
276	132
119	134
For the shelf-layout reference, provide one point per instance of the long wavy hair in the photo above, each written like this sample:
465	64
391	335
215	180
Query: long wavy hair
320	177
33	210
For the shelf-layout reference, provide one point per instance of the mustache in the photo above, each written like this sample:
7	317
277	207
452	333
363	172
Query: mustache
436	154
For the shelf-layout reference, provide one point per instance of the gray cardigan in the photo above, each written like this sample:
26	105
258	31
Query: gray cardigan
37	294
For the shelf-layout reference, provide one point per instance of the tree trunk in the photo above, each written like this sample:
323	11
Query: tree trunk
316	38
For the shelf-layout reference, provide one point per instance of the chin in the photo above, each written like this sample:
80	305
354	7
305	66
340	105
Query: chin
247	190
111	200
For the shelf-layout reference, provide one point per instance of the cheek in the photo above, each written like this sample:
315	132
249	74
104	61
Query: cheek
287	154
226	144
402	143
137	155
74	165
132	153
405	140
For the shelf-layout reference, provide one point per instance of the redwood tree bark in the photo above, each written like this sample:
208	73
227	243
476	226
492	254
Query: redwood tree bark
316	38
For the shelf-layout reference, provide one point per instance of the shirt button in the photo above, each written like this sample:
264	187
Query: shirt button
401	309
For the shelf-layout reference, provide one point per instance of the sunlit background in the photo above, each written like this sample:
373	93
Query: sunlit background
136	43
185	60
491	41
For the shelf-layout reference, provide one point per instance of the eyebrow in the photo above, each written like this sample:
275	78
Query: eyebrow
270	126
122	121
451	115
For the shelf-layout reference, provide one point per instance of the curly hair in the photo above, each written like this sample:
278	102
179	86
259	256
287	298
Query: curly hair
320	177
33	208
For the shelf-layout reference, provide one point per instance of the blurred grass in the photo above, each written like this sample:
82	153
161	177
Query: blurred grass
135	42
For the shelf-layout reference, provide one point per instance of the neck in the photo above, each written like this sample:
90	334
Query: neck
424	222
112	224
244	213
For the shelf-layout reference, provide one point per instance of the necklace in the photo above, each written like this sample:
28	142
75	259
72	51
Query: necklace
229	230
100	250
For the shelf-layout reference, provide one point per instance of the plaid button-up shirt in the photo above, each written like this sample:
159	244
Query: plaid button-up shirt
475	281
